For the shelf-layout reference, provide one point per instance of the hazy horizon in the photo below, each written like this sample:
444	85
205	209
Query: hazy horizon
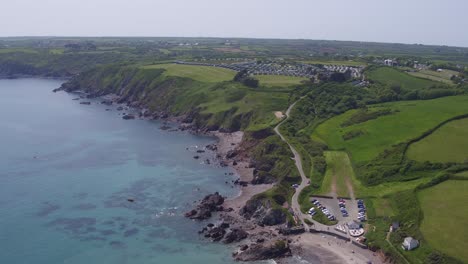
418	22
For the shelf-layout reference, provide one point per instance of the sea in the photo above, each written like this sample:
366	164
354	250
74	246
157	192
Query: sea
81	185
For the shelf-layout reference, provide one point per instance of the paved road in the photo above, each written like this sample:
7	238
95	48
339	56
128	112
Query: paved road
297	158
304	181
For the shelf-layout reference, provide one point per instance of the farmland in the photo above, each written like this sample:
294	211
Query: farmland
391	76
408	120
447	144
279	80
443	76
445	213
367	133
199	73
348	131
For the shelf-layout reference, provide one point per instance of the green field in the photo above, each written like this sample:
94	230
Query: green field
445	216
383	207
463	174
411	120
199	73
12	50
391	76
165	51
443	76
339	171
56	51
447	144
279	80
258	102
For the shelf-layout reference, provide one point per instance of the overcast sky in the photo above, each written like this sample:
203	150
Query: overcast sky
405	21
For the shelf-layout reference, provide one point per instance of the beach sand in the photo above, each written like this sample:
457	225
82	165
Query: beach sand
328	249
230	142
307	248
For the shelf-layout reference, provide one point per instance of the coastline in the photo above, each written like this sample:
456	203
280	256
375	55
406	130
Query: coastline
227	144
306	247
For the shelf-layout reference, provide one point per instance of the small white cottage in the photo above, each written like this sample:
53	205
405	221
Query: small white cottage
410	243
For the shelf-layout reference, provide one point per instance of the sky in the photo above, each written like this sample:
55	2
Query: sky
440	22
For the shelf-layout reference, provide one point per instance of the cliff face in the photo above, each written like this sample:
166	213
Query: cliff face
165	95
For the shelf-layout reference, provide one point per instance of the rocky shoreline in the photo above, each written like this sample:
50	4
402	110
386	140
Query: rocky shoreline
260	232
254	231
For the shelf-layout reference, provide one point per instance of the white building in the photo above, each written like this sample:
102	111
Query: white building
390	62
410	243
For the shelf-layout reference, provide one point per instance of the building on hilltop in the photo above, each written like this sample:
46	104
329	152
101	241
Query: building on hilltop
390	62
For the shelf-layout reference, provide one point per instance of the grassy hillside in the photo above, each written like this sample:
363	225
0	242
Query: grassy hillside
443	76
392	76
339	173
210	105
197	73
407	120
279	80
375	137
447	144
214	105
445	214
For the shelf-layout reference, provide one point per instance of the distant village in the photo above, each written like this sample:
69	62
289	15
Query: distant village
254	67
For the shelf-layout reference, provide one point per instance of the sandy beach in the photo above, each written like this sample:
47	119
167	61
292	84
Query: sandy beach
228	142
329	249
310	248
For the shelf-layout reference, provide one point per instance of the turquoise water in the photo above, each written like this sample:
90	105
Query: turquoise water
67	170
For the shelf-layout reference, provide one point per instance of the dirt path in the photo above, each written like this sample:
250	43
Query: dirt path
333	192
349	185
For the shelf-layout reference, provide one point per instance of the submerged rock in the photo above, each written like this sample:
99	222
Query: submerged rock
128	116
106	102
211	147
47	209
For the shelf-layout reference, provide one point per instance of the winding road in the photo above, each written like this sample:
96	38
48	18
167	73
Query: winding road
297	158
358	255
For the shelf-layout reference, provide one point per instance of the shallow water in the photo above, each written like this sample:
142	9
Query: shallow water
67	170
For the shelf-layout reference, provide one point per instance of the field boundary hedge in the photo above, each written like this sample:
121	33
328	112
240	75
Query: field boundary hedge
430	132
